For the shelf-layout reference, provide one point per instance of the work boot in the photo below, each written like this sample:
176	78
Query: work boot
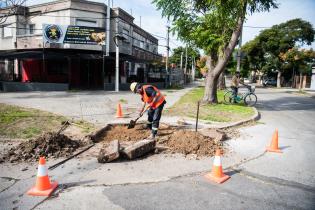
152	136
146	126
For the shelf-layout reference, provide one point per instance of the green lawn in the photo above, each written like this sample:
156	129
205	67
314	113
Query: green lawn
187	107
25	123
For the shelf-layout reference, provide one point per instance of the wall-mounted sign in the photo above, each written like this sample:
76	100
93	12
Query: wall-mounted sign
73	34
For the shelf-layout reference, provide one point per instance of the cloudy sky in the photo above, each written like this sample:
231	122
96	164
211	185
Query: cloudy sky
152	21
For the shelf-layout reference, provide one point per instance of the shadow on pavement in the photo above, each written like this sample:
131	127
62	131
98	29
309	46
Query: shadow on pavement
286	103
284	147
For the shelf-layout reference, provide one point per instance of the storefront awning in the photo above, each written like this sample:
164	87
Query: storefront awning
49	54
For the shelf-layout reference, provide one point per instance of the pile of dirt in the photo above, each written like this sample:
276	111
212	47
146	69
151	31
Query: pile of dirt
49	145
122	133
175	139
190	142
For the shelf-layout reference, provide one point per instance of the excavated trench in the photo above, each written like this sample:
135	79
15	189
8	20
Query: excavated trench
175	139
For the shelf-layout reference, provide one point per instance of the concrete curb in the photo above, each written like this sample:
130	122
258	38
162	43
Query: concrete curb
253	118
207	124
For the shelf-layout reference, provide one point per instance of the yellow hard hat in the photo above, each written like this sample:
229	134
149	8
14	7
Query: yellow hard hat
133	86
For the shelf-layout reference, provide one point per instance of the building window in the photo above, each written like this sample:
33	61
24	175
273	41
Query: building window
32	28
7	32
89	23
125	34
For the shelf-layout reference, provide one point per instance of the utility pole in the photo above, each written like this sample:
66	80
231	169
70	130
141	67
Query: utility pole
167	54
185	71
107	27
140	21
193	68
117	58
107	34
238	69
167	47
181	60
181	63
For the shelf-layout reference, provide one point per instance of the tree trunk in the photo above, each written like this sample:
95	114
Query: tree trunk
210	95
253	80
279	79
301	82
221	85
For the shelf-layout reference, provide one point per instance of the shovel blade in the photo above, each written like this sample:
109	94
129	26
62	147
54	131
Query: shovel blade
132	124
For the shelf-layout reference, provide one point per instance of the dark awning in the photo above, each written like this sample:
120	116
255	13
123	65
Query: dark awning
49	54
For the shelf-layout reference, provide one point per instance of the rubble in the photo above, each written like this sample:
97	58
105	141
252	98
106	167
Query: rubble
139	149
109	153
49	145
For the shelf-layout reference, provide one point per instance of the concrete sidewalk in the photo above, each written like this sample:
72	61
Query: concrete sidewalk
98	107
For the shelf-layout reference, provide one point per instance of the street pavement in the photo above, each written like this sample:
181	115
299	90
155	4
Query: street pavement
258	180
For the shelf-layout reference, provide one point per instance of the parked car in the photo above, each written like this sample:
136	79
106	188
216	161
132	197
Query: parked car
246	81
270	82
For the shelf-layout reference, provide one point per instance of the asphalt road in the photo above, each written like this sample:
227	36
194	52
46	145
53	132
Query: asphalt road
258	180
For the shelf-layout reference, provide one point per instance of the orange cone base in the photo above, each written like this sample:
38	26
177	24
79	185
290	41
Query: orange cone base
219	180
33	191
119	116
269	149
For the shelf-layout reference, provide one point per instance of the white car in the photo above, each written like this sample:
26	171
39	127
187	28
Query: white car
246	81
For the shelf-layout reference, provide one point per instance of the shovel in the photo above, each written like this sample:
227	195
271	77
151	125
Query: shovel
132	123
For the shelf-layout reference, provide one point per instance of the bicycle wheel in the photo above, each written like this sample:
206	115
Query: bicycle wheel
228	97
250	99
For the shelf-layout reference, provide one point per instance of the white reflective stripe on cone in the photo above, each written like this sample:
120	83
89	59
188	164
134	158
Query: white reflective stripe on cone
42	171
217	161
153	128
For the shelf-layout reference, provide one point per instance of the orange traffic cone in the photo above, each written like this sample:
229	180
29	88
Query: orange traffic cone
119	113
274	143
217	174
43	186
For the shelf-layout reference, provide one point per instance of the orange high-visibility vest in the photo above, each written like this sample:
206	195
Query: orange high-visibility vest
159	100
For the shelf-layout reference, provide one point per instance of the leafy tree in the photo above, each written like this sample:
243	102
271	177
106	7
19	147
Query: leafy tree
191	52
211	25
265	50
298	60
8	8
201	64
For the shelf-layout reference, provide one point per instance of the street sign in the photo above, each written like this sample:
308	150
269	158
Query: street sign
73	34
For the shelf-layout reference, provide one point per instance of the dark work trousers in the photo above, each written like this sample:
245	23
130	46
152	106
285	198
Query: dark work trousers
234	93
154	116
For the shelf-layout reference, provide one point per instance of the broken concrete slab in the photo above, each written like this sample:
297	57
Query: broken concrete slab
109	153
139	149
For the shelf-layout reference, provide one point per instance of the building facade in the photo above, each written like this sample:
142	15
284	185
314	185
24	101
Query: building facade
27	61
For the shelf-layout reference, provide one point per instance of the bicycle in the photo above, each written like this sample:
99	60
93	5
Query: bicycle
249	97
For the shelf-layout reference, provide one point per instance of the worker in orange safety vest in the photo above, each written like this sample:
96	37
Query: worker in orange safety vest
152	97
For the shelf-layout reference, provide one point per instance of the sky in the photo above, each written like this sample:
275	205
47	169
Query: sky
152	21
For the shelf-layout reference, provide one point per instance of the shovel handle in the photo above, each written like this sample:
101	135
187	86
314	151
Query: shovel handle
143	111
141	114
